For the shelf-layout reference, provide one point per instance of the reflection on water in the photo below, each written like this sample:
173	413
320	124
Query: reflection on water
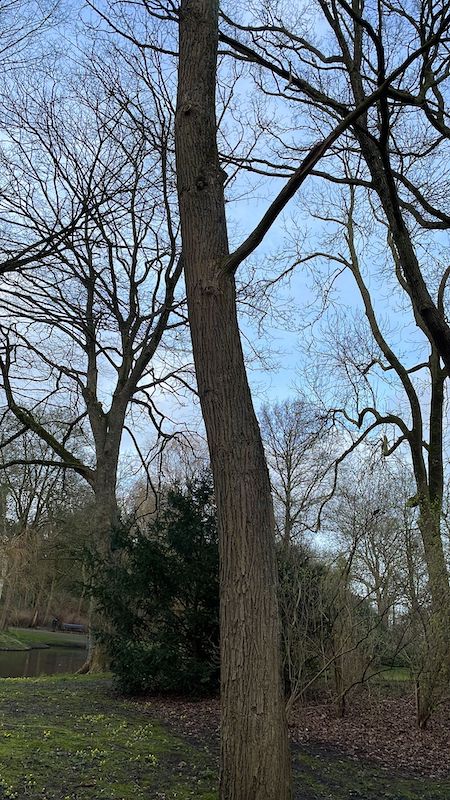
31	663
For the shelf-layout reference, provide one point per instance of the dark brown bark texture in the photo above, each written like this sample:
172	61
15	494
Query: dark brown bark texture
254	746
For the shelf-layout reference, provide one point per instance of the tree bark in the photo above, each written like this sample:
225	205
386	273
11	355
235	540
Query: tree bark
254	745
436	668
106	517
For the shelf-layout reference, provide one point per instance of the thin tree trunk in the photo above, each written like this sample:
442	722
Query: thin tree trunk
49	601
436	669
7	597
83	591
254	746
4	596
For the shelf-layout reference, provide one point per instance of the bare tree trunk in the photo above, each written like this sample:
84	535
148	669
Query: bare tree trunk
49	602
436	668
7	598
35	620
106	517
83	591
255	754
4	596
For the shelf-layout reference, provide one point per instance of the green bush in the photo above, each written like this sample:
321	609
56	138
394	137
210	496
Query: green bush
161	597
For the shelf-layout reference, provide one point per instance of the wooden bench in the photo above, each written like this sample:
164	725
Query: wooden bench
73	627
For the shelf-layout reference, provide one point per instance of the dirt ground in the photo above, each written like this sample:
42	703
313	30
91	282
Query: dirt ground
382	730
375	752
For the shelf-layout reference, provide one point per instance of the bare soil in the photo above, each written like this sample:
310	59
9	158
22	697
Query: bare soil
381	730
377	730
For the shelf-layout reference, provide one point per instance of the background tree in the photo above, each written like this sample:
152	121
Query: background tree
399	395
87	327
368	517
45	528
298	452
333	640
33	50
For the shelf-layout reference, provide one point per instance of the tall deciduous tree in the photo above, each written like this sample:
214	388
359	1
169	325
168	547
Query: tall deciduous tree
255	753
88	327
414	423
255	762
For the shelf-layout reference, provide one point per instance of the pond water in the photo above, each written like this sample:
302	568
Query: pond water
31	663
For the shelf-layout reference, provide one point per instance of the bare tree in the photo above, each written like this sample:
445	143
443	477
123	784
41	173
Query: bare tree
36	547
337	68
399	396
299	457
332	636
31	49
252	714
88	337
367	514
24	38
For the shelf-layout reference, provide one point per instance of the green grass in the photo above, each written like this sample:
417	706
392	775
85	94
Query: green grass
35	638
9	641
71	738
394	675
67	738
401	674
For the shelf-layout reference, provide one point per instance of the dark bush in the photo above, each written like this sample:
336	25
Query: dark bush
161	597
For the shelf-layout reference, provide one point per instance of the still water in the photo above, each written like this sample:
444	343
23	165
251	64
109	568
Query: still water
31	663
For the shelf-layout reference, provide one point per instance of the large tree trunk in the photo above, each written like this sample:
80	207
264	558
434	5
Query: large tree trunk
106	516
436	674
254	746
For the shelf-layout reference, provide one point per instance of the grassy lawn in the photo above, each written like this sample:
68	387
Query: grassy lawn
8	641
71	738
26	638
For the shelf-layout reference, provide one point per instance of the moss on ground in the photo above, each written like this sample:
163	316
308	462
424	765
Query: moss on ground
71	738
336	777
